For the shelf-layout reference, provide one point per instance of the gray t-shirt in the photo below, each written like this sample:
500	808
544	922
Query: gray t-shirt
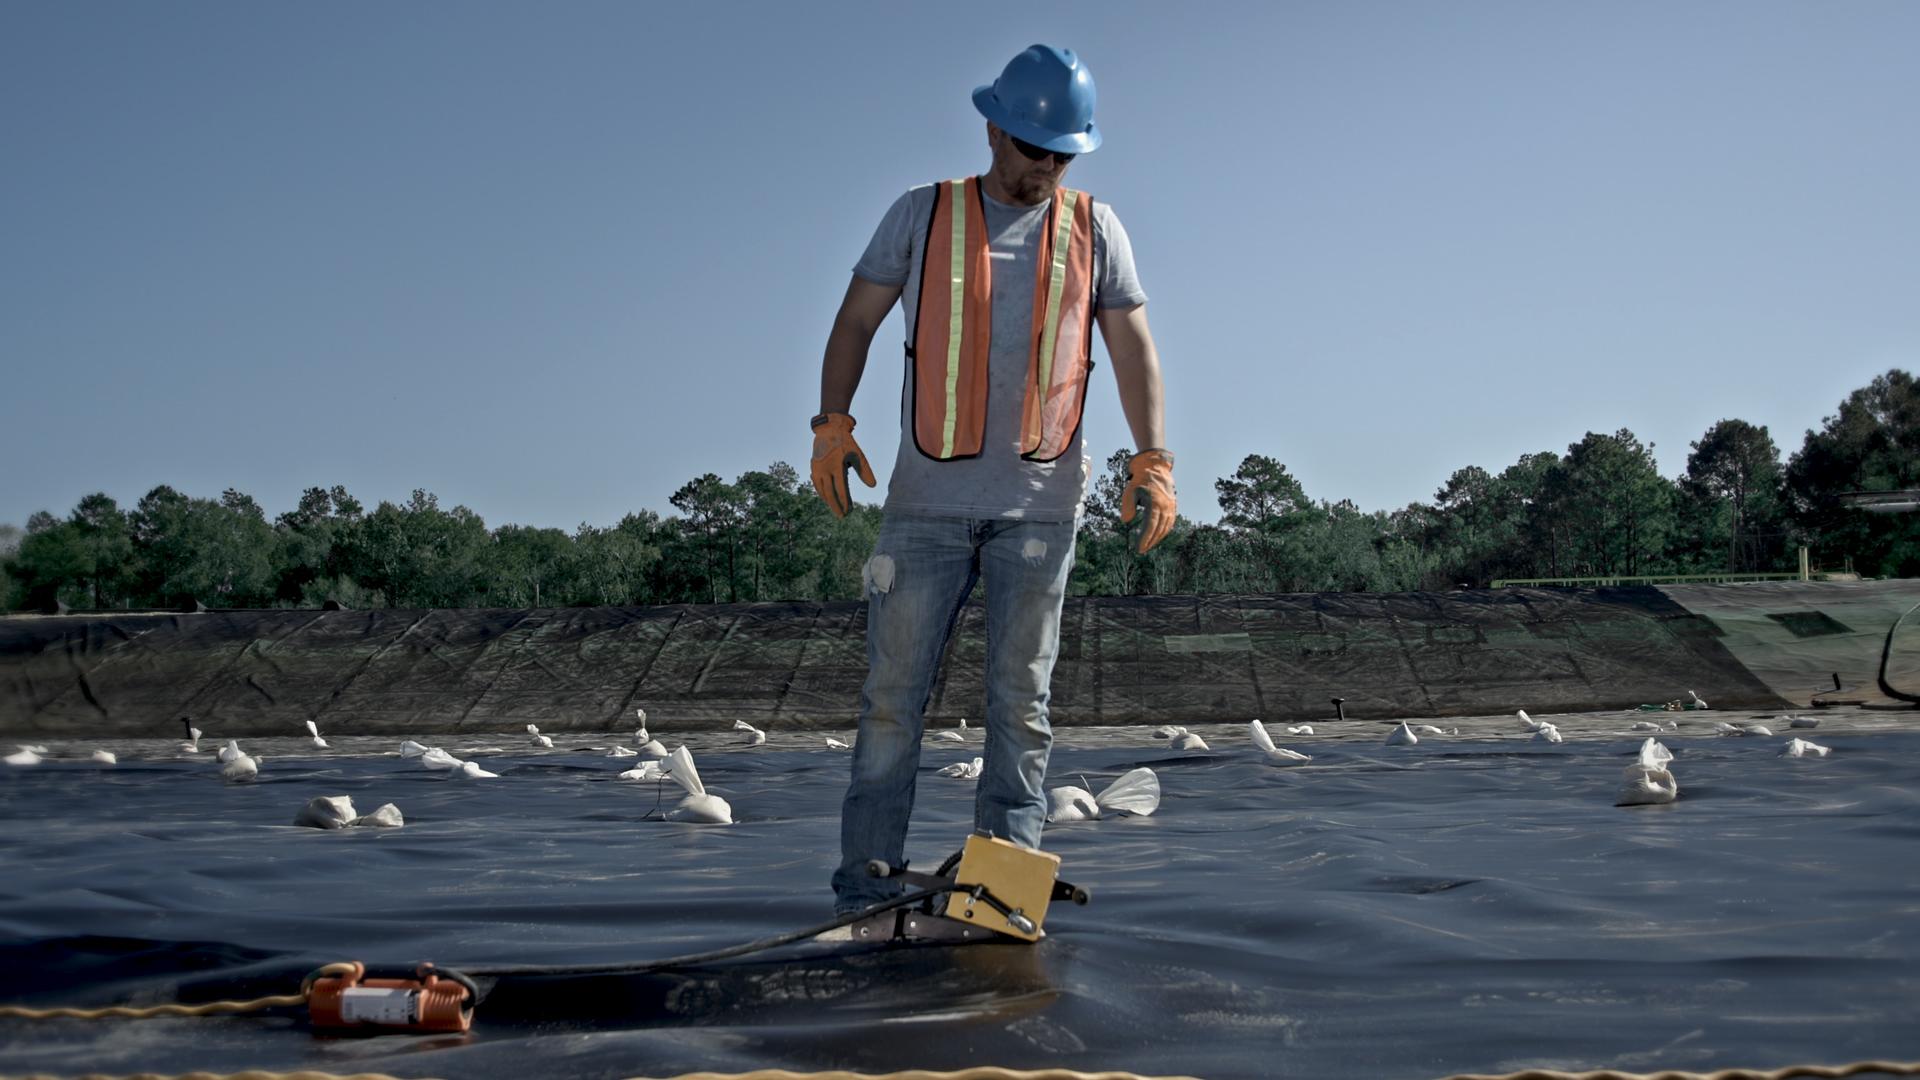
996	484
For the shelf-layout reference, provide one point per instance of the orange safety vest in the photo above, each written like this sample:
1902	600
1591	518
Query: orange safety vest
953	327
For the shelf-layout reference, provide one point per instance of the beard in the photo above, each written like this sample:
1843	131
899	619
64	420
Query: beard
1035	187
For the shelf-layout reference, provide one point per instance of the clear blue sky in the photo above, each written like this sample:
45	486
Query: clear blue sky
553	260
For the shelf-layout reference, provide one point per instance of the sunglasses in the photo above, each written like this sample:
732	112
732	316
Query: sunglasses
1037	153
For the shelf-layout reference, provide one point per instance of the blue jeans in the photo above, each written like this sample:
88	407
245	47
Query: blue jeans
921	572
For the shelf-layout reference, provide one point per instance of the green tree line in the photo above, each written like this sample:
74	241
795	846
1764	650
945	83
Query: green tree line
1601	508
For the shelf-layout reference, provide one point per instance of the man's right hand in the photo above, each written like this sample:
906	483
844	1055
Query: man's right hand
834	452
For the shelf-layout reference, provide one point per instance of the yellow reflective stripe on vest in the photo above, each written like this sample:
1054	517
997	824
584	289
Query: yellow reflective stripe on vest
957	318
1056	283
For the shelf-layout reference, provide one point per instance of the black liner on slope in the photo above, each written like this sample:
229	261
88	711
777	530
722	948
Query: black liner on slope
1181	659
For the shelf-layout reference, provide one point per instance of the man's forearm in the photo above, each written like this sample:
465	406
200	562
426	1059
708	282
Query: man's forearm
1136	371
841	368
1141	399
859	318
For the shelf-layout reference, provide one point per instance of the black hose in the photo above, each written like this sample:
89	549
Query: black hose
953	860
641	967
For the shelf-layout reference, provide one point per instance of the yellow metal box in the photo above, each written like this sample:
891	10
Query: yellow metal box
1022	878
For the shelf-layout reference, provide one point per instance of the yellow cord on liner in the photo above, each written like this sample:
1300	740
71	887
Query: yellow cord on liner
250	1074
209	1008
129	1012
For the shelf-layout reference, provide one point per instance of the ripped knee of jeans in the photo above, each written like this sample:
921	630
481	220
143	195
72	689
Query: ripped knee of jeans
1035	551
877	575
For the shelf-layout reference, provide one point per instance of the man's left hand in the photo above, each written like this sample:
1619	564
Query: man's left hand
1150	473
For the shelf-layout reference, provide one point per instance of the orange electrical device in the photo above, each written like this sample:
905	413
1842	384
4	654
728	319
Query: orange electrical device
427	1000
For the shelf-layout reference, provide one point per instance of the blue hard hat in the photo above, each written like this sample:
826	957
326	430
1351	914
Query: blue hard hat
1045	97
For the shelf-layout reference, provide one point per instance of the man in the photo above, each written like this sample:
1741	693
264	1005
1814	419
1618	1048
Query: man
1002	277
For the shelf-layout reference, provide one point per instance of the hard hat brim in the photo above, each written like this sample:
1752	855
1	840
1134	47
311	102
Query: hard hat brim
1074	142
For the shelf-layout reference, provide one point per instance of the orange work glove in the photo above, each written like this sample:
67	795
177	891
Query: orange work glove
1150	472
834	452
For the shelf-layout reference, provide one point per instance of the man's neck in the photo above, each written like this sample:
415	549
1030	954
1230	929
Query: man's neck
998	192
